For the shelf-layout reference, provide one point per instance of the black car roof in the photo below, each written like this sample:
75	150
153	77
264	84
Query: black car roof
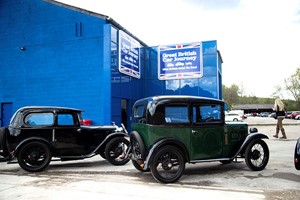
180	98
48	108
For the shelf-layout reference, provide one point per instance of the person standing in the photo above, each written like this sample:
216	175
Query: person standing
279	109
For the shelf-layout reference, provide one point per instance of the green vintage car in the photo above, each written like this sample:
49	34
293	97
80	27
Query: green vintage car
170	131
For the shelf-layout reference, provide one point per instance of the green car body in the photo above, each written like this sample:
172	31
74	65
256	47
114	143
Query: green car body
192	127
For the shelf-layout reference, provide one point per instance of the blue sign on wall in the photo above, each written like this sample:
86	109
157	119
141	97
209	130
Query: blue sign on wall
129	55
180	61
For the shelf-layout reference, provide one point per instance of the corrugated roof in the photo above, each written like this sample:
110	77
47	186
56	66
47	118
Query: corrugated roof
252	106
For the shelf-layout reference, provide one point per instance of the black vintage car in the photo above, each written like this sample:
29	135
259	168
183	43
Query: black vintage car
35	135
170	131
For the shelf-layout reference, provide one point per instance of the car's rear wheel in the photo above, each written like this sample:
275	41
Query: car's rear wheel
167	164
115	151
34	156
137	151
257	155
137	146
139	167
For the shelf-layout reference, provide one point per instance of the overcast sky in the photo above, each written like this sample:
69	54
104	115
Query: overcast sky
259	40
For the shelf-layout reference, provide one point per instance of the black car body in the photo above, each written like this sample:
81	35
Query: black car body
36	134
169	131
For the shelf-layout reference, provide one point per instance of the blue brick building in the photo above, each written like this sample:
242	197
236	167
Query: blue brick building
57	54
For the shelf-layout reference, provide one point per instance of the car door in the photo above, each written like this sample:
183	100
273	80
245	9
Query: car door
69	139
207	132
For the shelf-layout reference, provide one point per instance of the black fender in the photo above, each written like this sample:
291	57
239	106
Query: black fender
134	135
39	139
249	138
163	142
108	138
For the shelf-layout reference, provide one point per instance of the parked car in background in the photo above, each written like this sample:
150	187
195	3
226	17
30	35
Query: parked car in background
293	114
170	131
37	134
288	114
297	155
273	115
264	114
229	117
297	117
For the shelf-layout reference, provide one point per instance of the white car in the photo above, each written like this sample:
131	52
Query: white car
297	117
232	117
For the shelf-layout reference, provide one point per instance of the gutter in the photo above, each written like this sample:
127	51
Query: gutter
116	24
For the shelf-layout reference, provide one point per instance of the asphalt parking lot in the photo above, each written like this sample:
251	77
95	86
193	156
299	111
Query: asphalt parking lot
96	178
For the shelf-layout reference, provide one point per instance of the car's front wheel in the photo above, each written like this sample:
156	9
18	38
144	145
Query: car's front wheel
168	164
257	155
34	156
115	151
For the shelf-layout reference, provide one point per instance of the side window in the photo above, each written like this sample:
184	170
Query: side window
207	114
39	119
65	119
176	114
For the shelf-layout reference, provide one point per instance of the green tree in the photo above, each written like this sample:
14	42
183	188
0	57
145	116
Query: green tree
292	84
230	94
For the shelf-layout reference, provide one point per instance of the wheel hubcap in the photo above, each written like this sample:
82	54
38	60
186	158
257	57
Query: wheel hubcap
255	155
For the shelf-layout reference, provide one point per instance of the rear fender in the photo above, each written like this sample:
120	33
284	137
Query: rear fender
163	142
249	138
39	139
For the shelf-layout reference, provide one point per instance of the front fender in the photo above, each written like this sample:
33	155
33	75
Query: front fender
160	143
108	138
249	138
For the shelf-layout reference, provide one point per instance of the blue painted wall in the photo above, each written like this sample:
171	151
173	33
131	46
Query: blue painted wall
66	60
208	85
53	55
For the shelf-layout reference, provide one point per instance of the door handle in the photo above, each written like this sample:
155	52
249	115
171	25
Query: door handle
195	132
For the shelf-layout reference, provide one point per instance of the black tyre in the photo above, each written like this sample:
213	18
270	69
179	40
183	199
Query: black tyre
167	164
115	151
257	155
138	167
138	149
34	156
102	154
